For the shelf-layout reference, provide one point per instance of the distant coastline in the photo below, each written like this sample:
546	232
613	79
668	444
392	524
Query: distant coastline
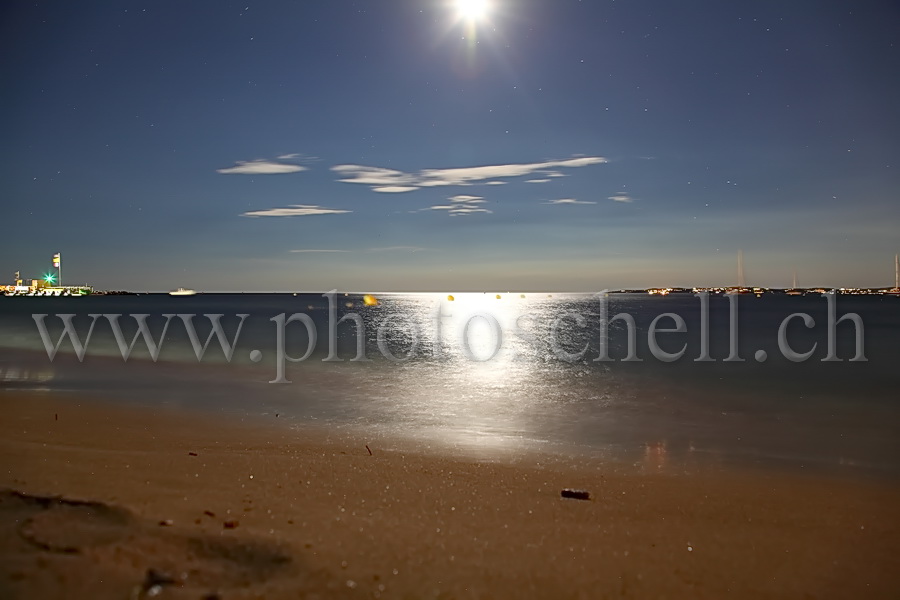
652	291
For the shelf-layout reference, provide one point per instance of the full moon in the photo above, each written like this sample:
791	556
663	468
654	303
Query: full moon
472	10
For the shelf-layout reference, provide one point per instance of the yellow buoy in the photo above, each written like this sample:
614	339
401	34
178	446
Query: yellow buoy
370	300
450	298
498	296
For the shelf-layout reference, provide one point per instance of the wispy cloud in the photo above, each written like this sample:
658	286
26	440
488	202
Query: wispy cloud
295	210
467	210
496	183
260	167
299	156
462	204
537	181
569	201
395	189
621	197
316	251
375	176
456	209
381	178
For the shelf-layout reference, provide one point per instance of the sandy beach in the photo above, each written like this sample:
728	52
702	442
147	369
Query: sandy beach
110	501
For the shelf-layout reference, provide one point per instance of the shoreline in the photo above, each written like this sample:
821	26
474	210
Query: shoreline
655	454
313	512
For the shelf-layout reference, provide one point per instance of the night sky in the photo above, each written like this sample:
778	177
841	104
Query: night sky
398	145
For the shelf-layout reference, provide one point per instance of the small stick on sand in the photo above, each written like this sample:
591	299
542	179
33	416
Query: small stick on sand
369	449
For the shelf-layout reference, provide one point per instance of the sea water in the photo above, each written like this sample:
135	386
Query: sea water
721	379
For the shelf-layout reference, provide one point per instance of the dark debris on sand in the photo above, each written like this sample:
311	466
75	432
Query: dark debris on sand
575	494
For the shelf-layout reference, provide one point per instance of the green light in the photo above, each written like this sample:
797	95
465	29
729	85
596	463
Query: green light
50	278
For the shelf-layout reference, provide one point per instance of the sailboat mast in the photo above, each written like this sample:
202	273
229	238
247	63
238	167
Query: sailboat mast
897	271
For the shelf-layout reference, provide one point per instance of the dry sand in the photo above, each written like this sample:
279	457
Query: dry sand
100	501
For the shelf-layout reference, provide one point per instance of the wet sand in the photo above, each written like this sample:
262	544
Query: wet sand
106	501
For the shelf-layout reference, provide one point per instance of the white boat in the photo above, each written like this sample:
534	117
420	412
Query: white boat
182	292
